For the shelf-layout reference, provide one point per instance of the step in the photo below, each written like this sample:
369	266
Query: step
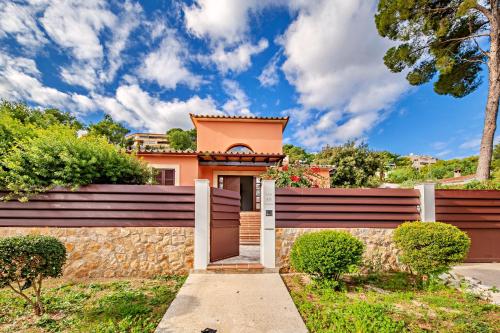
236	268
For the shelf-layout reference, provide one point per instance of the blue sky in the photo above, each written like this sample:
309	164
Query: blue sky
149	64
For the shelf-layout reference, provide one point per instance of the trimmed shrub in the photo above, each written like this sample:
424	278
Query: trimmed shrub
26	260
326	254
431	248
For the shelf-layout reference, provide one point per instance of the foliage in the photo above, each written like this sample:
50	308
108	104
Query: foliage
134	306
326	254
439	170
447	41
18	121
37	117
354	166
390	302
431	248
493	184
25	261
110	129
297	154
56	157
436	37
400	175
182	139
446	168
295	175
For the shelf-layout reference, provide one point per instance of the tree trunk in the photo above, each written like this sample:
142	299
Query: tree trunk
490	119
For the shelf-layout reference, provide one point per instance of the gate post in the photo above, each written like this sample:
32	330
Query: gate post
268	224
201	223
427	201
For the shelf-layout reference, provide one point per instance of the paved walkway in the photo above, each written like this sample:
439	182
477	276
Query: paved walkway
487	273
240	303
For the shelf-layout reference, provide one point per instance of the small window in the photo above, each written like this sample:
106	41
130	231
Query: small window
239	149
165	176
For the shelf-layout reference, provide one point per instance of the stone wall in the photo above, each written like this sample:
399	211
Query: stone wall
120	251
380	252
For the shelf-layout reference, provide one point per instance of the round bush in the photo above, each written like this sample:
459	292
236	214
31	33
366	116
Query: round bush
326	254
30	257
431	247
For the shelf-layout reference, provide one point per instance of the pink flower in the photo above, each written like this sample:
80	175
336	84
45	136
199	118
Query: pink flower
285	168
295	178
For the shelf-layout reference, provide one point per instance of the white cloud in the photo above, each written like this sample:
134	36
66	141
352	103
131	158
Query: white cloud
167	66
443	153
237	59
225	24
334	58
128	21
225	20
89	32
269	75
20	80
438	145
79	74
238	104
140	110
471	143
19	21
76	25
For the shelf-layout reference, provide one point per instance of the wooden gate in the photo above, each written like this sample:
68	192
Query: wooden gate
478	214
224	224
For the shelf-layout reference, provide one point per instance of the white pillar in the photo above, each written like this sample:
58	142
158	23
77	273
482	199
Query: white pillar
427	202
201	223
268	224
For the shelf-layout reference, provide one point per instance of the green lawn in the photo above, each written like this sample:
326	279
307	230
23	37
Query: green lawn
390	303
118	305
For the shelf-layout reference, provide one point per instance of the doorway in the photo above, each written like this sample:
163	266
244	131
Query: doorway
248	187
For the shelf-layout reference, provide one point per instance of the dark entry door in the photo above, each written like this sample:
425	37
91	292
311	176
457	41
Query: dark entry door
224	223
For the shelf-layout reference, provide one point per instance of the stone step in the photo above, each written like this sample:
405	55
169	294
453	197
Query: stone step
236	268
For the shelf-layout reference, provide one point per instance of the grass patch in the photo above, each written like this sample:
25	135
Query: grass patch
389	303
100	306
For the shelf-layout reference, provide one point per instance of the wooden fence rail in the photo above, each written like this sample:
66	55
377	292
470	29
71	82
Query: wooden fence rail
345	208
478	214
104	206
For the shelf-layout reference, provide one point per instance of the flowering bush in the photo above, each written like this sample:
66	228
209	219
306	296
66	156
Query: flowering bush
295	175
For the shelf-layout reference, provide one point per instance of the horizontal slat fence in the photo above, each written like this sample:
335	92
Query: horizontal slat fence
104	206
477	213
345	208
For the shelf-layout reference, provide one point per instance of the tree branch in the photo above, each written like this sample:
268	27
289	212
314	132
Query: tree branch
465	38
21	294
485	11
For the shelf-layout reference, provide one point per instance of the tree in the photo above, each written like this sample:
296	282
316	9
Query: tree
110	129
39	118
25	261
447	38
354	166
181	139
297	154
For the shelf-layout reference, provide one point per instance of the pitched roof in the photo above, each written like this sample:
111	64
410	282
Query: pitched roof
210	117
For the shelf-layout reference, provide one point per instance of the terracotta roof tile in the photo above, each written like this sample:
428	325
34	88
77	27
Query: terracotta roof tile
218	116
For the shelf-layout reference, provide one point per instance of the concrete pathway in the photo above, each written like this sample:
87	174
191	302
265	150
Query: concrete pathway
487	273
240	303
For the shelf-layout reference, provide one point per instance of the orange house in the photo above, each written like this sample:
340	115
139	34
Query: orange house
232	152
